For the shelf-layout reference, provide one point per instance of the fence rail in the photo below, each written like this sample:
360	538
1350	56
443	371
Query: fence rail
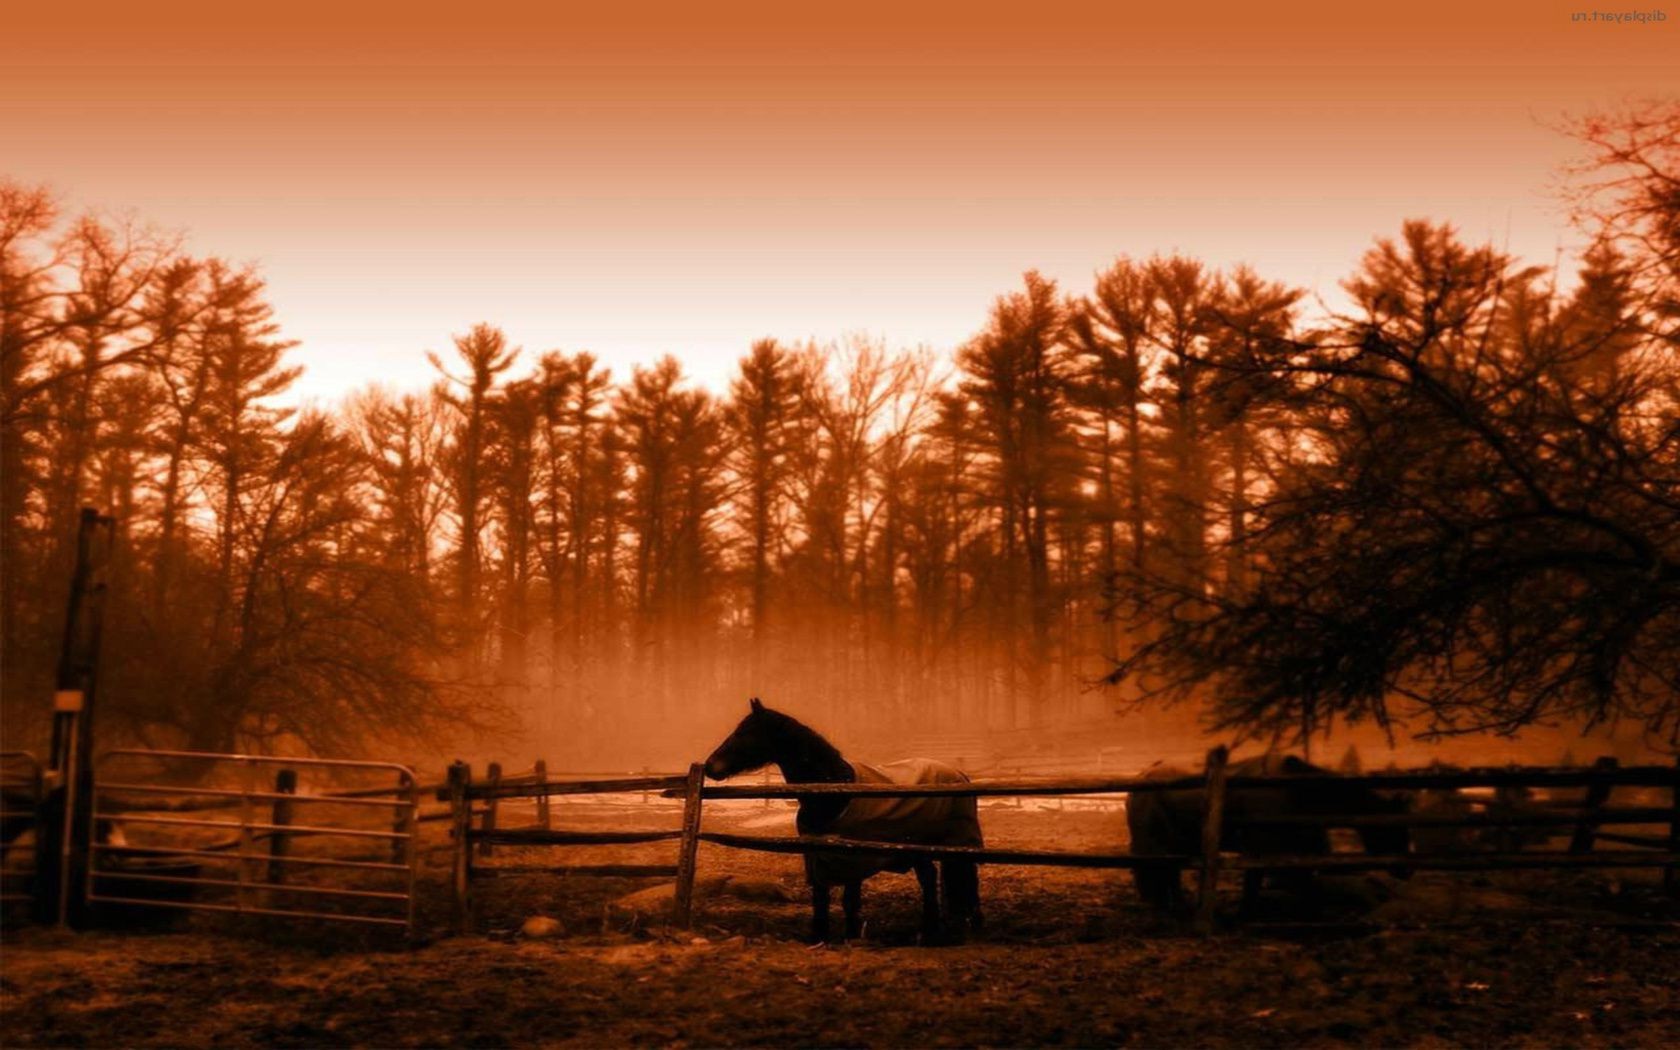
1586	816
468	799
171	874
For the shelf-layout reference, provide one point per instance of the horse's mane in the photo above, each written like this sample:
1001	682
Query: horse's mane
809	749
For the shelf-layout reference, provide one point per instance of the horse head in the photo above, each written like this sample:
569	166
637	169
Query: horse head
751	746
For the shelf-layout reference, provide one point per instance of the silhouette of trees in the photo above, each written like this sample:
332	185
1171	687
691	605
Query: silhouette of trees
254	600
1454	504
672	445
1016	376
762	419
580	489
1477	539
485	352
1109	333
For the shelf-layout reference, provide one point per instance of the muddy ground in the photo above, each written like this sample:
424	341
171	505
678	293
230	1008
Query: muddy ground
1068	958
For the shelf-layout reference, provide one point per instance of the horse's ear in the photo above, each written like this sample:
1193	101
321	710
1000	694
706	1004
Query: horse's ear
755	704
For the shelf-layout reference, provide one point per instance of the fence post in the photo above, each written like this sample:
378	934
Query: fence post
285	783
684	909
1671	874
543	818
1598	792
495	780
1213	828
460	805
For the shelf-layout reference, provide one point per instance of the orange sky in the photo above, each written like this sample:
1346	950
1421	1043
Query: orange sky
685	177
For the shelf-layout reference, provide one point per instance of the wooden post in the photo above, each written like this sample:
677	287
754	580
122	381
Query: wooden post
544	820
285	783
490	804
1213	829
684	910
460	806
1671	874
1598	792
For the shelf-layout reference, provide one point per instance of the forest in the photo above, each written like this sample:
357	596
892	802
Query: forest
1452	502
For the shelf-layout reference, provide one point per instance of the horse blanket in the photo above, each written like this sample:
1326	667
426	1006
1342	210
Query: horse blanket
1170	822
949	820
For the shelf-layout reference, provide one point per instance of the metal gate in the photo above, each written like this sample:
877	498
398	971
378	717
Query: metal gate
252	834
20	834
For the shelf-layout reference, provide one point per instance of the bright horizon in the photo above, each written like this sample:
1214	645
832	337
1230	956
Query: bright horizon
661	182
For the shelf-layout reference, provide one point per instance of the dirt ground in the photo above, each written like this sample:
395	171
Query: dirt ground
1069	958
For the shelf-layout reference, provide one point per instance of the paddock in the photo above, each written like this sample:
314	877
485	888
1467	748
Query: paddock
1071	956
244	848
1653	844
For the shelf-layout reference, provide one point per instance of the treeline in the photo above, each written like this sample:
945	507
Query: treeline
866	533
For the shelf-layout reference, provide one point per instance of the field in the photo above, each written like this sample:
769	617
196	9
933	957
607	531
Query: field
1069	958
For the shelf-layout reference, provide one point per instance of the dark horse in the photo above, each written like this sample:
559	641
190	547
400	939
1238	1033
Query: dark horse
1170	822
767	737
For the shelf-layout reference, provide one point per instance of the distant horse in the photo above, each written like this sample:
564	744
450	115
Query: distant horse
1508	802
1170	822
767	737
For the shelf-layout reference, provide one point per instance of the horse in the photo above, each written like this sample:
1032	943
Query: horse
1509	802
1164	822
766	737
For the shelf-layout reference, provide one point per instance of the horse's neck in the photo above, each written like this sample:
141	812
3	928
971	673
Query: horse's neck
809	759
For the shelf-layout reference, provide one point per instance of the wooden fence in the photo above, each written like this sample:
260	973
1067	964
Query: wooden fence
1583	818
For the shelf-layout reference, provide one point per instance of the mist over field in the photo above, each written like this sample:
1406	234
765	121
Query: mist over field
1123	520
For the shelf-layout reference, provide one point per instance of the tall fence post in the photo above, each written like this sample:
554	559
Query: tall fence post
1598	792
1671	874
684	910
285	783
460	806
1213	828
490	807
544	820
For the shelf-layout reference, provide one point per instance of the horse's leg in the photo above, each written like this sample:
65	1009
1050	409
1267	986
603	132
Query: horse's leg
928	876
962	892
1253	880
1160	885
851	901
819	912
